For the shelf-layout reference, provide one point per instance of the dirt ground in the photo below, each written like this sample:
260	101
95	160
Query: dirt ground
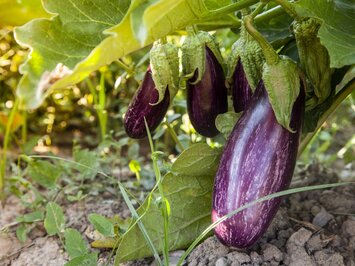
311	228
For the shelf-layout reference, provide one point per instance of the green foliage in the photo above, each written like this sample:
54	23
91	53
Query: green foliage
44	173
55	220
337	32
226	122
102	224
188	190
84	260
14	13
74	243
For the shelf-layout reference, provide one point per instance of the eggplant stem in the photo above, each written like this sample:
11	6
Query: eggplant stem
289	8
270	54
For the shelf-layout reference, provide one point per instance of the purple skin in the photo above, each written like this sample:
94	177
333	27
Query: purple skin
241	91
141	106
258	160
207	98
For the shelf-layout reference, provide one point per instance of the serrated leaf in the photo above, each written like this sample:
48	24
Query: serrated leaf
337	32
74	243
102	224
68	47
84	260
55	219
189	192
226	122
15	13
44	173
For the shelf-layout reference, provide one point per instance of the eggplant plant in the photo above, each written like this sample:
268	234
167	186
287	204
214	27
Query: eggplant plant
267	90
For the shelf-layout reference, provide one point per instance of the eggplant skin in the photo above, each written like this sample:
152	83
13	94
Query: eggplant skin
241	90
258	160
207	98
142	105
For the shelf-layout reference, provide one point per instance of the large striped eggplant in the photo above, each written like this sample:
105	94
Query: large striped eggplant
258	160
207	98
143	106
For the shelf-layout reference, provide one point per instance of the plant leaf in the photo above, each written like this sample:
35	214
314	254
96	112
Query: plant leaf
15	13
74	243
226	122
102	224
71	45
84	260
188	191
337	32
44	173
55	219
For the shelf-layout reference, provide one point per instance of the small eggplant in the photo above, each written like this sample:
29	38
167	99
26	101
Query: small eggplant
207	98
258	160
143	105
241	91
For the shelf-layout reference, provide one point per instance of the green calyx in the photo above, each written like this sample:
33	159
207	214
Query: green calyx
248	50
194	54
314	58
282	82
164	63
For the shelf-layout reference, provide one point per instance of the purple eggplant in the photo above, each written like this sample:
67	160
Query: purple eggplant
258	160
241	91
208	97
143	105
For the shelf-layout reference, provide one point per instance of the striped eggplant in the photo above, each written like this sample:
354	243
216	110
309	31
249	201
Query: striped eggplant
241	90
258	160
208	97
143	105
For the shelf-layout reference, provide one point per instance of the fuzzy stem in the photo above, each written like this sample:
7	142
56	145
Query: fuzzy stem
289	8
271	56
233	7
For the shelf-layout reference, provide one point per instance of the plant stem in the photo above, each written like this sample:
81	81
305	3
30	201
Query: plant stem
233	7
24	128
128	69
174	136
164	201
6	144
270	54
337	101
289	8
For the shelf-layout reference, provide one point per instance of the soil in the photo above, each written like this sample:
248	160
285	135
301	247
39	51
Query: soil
311	228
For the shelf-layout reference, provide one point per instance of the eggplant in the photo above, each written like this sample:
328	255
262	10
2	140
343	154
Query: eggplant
207	98
258	160
241	90
143	105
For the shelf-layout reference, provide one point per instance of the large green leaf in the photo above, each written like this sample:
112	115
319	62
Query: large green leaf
76	39
189	195
337	32
67	38
15	13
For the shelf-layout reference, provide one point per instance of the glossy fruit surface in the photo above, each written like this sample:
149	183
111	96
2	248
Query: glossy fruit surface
241	91
143	105
258	160
208	97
